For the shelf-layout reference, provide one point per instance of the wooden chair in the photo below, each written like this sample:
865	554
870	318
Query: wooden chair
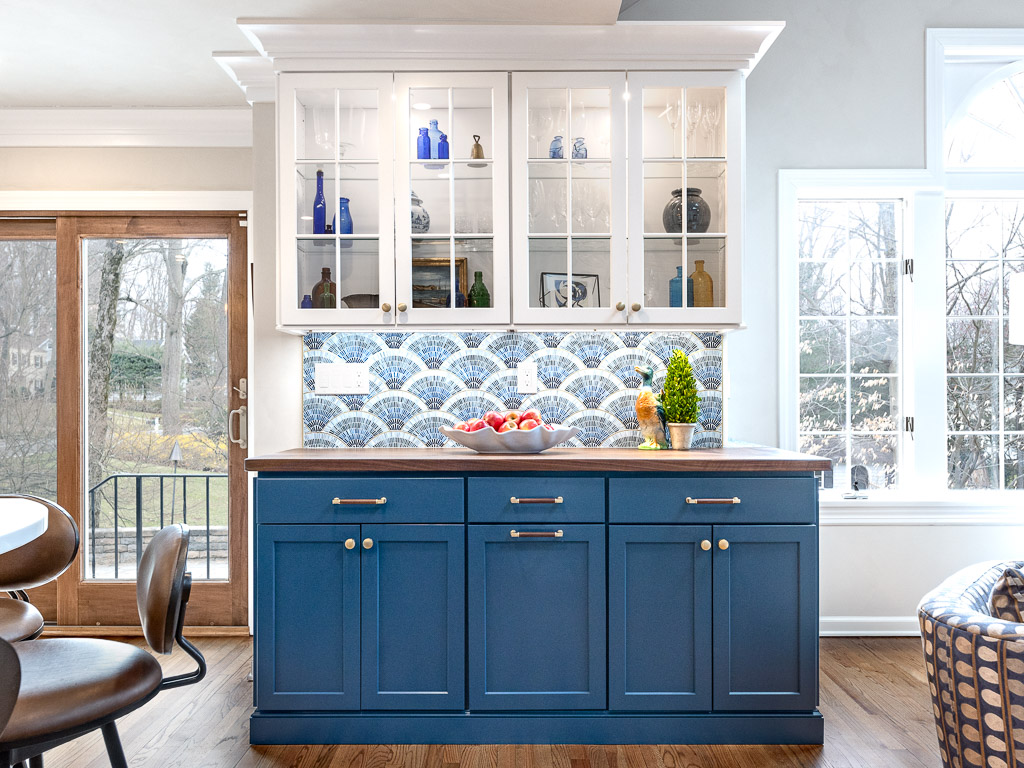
64	688
32	565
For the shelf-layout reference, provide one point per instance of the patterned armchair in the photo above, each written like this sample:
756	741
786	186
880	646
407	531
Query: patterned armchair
975	666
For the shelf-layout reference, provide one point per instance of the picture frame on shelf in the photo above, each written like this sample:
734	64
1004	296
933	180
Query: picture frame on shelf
431	280
554	290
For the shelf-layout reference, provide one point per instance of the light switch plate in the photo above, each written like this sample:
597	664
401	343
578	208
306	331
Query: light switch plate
342	379
527	378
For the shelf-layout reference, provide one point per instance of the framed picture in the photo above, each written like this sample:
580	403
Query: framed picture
431	280
555	290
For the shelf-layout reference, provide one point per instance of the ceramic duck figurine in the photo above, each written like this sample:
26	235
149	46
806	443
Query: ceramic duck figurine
650	413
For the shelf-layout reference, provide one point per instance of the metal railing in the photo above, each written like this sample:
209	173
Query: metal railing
166	515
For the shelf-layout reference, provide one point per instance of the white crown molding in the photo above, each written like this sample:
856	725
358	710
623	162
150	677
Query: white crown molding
300	46
126	127
868	626
251	72
87	200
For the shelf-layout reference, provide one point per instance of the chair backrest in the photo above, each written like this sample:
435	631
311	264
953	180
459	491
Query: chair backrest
45	558
160	588
10	681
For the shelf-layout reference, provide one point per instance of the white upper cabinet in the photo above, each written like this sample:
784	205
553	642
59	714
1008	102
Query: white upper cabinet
611	195
451	226
569	201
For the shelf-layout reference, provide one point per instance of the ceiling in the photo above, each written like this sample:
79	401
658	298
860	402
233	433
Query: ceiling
158	53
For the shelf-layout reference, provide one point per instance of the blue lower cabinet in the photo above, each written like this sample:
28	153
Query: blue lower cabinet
413	617
765	617
659	618
307	617
537	617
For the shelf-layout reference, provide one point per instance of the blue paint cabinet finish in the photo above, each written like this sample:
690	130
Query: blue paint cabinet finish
537	618
651	608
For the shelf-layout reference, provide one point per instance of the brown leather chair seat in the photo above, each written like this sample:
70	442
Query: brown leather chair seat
67	683
19	620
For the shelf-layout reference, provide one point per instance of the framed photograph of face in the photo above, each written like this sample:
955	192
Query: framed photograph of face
555	290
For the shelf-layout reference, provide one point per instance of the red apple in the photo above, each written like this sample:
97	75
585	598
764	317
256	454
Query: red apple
461	426
508	426
528	423
494	419
534	414
548	426
512	416
474	425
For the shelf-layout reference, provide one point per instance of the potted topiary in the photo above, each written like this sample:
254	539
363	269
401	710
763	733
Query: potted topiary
679	396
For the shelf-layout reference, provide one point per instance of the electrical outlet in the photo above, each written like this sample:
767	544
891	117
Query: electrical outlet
527	378
342	379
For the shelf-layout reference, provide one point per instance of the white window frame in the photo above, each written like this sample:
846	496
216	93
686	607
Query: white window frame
922	486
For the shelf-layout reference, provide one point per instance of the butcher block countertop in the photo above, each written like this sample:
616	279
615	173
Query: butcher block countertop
732	458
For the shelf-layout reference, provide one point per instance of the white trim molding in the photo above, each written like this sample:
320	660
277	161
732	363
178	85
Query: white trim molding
868	626
32	200
251	72
228	127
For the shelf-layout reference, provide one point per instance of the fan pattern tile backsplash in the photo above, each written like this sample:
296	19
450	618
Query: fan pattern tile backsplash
422	380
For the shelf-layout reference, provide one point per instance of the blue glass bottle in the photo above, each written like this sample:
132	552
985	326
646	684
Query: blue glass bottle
319	206
675	289
423	145
343	221
442	147
435	136
307	302
555	150
460	297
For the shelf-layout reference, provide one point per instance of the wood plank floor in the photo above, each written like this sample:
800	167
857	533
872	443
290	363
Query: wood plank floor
874	698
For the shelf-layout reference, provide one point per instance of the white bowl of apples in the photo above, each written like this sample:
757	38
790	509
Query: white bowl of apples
508	432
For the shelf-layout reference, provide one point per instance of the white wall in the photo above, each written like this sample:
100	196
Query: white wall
843	87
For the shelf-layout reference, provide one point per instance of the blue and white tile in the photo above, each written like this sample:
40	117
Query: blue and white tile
707	368
512	348
353	347
628	438
592	386
595	426
434	387
434	348
554	366
472	403
663	343
394	408
319	410
425	427
591	347
356	429
394	367
504	385
395	440
623	364
710	411
622	405
473	366
554	405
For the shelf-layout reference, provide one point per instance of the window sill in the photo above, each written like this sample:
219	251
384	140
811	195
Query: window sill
967	508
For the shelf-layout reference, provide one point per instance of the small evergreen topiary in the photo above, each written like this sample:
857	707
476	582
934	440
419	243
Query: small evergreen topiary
679	395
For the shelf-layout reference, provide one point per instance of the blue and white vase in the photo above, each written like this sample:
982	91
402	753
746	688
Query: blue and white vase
420	217
579	149
555	150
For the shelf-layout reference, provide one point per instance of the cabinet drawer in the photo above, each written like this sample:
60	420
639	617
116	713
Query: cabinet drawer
664	500
406	500
491	499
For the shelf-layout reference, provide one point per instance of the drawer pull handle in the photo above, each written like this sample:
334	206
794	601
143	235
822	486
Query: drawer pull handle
340	502
536	534
733	500
550	500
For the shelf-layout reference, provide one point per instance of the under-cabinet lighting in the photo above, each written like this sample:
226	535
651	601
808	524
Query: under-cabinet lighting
421	105
306	218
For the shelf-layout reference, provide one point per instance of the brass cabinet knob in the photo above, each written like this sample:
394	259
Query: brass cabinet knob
368	543
350	543
705	545
620	306
385	307
402	307
636	306
723	544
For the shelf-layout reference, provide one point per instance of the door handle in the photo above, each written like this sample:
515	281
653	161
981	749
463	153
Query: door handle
733	500
242	438
337	502
550	500
535	534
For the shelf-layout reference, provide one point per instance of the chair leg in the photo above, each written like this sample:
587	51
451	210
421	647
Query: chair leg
113	742
35	762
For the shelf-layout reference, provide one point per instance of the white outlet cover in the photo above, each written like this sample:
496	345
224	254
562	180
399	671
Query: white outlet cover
342	378
526	374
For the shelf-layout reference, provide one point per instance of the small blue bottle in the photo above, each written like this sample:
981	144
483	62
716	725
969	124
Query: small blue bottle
343	221
423	145
555	150
675	289
319	206
307	302
435	135
579	149
442	147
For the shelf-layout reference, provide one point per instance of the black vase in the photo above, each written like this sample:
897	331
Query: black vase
698	212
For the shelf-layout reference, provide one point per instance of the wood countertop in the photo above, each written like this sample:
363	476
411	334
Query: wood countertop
732	458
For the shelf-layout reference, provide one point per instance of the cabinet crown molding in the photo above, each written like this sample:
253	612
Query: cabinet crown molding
294	46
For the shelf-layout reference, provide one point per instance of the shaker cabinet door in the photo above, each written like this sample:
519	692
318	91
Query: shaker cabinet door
537	617
659	617
413	619
765	617
307	617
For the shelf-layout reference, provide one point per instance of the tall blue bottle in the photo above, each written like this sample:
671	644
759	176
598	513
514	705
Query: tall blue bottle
423	145
319	206
442	147
675	289
435	136
343	221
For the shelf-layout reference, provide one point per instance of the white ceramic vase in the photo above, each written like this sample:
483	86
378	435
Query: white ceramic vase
681	435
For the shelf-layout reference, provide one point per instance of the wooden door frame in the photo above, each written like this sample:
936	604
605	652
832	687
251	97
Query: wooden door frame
108	602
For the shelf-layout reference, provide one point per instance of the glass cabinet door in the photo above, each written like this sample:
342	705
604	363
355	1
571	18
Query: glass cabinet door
337	259
569	197
451	198
685	195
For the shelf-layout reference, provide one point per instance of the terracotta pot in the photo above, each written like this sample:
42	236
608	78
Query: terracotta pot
681	435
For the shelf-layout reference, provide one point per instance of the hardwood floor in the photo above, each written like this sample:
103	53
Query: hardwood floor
873	695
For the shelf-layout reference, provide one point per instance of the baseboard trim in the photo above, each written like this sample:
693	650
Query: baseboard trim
868	626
